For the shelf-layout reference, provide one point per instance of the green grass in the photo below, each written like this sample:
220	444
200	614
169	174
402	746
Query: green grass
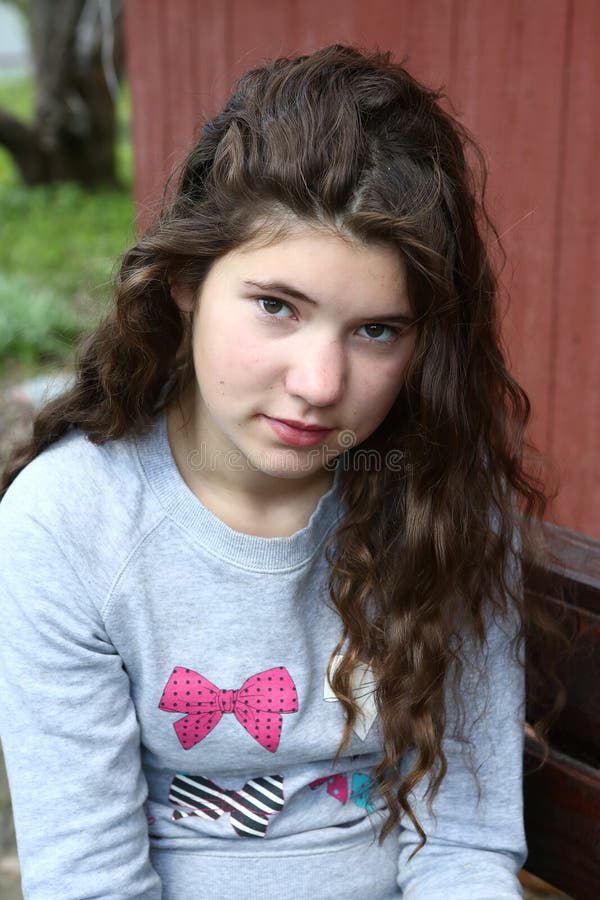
58	248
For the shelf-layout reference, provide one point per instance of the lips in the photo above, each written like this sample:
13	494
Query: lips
298	434
302	426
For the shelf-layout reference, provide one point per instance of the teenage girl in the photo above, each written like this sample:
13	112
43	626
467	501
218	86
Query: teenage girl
262	622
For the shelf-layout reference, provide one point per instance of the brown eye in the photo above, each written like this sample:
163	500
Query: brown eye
274	307
382	334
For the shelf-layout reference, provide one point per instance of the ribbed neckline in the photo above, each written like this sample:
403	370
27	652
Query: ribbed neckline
244	550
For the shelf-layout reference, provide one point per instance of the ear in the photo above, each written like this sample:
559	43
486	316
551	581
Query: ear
184	297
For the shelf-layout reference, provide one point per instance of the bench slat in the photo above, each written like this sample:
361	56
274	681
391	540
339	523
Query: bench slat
562	821
577	731
562	799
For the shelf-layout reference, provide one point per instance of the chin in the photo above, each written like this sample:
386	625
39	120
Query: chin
289	465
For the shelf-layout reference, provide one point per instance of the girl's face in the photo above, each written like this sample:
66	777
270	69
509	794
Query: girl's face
299	350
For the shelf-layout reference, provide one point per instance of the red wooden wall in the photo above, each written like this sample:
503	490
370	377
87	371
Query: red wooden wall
523	75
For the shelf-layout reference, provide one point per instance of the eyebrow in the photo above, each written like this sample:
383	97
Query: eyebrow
279	287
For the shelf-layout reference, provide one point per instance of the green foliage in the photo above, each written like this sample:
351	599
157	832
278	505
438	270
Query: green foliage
35	324
22	6
17	96
58	248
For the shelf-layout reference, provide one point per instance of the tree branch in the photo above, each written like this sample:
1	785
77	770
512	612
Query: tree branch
14	134
22	143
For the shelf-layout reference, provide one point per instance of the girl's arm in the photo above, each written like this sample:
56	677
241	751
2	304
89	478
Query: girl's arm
475	849
68	726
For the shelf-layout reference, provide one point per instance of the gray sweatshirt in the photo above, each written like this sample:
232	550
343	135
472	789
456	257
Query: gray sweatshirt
168	727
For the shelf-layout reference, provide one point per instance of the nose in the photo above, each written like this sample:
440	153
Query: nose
316	372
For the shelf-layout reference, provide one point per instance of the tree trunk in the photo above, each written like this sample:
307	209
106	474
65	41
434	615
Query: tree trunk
73	133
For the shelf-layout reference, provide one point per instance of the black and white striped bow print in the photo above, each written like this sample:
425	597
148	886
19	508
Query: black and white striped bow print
249	807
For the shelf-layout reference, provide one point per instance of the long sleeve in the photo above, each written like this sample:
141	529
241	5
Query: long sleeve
475	849
68	726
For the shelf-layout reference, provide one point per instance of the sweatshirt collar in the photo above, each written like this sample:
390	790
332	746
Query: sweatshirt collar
244	550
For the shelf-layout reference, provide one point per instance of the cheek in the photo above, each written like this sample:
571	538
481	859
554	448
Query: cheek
228	354
376	392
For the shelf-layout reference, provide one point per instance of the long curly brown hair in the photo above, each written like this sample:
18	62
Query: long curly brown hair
349	140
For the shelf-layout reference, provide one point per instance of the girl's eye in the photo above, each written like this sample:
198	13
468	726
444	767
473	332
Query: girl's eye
276	308
382	334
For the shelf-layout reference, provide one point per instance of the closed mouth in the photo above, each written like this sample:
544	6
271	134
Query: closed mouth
301	426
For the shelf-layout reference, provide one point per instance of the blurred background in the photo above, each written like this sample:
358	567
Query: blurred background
66	213
66	208
84	81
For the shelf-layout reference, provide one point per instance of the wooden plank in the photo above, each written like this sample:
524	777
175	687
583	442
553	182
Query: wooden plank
562	822
576	352
577	730
148	102
580	561
180	75
575	569
570	592
507	78
317	24
258	33
419	34
208	27
182	111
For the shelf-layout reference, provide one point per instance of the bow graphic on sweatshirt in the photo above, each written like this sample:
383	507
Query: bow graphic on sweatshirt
337	787
250	807
257	705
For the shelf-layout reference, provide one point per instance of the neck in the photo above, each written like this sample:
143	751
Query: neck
246	499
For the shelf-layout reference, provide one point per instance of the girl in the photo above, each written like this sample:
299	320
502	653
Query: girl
262	621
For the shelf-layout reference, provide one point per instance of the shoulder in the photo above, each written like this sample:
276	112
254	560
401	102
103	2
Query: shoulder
91	500
74	477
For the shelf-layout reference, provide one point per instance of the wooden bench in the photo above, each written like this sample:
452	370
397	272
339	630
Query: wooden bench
562	799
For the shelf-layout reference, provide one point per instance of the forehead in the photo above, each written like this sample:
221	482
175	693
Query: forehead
324	265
